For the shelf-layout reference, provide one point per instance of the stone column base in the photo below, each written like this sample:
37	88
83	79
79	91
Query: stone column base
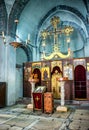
61	109
30	106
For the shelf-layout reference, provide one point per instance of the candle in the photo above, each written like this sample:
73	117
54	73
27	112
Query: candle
2	34
28	36
26	42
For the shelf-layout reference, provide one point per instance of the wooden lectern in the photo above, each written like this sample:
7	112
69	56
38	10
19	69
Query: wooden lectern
38	98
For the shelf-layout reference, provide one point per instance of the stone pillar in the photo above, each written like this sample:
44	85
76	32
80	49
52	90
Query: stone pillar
33	81
7	69
2	61
62	93
10	71
62	108
32	90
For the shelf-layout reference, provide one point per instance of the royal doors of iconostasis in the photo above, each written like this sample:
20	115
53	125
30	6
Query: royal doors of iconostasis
56	72
61	69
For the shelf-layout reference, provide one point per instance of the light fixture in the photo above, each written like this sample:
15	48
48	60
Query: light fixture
15	44
16	20
25	43
68	40
2	35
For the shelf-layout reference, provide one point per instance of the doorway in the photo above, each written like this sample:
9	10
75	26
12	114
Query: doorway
80	82
56	73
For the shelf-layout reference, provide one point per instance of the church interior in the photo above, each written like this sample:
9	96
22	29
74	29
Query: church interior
44	64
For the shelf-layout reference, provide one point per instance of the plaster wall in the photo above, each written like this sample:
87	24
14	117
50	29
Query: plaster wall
2	61
20	58
87	48
19	84
11	71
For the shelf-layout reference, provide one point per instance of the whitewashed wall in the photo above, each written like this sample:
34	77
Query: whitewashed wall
2	61
8	70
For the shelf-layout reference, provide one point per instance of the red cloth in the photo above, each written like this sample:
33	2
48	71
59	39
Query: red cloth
37	98
80	81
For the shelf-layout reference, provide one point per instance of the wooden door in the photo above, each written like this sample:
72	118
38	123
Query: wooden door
2	94
80	82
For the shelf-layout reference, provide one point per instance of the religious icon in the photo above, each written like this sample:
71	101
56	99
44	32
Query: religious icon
56	73
45	73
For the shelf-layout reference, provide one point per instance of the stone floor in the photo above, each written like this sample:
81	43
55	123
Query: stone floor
18	117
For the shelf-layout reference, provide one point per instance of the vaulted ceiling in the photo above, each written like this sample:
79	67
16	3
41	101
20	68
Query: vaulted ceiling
12	9
33	14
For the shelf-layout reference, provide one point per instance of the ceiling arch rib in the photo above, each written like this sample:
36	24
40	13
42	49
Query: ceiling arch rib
28	52
62	7
16	11
3	17
86	2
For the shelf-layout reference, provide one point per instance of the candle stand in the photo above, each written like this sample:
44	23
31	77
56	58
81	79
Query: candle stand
62	107
32	81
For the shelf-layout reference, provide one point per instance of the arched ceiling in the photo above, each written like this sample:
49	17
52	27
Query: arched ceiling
15	13
33	14
16	8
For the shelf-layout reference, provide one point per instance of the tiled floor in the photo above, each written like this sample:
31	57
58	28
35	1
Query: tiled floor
18	117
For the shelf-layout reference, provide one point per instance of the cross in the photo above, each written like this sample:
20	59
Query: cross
56	31
37	98
55	21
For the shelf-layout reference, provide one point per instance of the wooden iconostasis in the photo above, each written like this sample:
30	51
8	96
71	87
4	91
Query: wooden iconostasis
76	70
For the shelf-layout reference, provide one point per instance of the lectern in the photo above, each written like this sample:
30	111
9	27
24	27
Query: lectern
38	98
